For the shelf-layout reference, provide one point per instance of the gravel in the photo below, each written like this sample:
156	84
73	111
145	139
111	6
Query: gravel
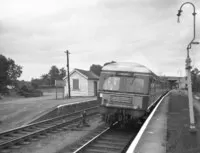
56	142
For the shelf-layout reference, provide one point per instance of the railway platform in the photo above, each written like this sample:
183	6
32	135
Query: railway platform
18	112
168	129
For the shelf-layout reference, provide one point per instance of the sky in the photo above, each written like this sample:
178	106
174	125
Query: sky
35	34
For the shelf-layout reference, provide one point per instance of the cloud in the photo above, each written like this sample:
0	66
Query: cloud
95	32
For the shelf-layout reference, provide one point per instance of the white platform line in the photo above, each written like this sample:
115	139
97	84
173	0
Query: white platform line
72	103
134	143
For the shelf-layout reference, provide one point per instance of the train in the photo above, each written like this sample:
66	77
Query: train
127	91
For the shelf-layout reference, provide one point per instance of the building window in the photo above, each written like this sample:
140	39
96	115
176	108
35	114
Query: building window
75	84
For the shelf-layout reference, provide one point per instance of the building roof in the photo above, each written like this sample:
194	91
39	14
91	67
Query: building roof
173	78
127	66
87	74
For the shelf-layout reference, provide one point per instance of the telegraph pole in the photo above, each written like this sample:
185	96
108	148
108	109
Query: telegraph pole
68	78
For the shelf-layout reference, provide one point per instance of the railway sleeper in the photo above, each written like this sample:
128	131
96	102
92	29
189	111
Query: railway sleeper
105	146
6	135
121	137
35	138
15	146
113	143
28	130
6	150
6	138
42	135
110	139
92	150
26	142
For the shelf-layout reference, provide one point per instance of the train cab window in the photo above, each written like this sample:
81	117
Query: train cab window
152	86
133	84
111	83
124	84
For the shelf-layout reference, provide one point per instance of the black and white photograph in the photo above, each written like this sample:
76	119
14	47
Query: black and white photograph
99	76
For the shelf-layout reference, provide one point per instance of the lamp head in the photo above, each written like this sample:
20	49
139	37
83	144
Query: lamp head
195	43
179	14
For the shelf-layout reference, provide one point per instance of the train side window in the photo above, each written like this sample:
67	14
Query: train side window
153	84
135	84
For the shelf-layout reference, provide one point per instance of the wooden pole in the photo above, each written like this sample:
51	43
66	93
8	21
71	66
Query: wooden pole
56	93
69	92
63	92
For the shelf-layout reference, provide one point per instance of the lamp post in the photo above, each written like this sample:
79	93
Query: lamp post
188	68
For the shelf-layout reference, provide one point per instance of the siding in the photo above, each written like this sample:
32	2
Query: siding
83	85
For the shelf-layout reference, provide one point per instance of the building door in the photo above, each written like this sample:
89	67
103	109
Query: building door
95	88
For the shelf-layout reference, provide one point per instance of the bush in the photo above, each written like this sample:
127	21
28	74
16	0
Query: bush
4	91
46	86
30	92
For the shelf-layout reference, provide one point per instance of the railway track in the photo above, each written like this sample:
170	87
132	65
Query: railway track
110	140
14	138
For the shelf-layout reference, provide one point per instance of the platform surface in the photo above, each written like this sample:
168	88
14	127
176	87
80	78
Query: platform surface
179	137
17	112
168	130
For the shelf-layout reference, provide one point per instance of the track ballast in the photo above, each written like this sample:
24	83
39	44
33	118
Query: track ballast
14	138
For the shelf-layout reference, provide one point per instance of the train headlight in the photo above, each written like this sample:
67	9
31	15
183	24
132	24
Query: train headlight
135	107
137	102
101	95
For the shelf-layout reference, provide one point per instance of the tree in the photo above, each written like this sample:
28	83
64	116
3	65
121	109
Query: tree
3	74
62	73
9	72
195	80
96	69
45	79
49	78
54	74
36	83
14	70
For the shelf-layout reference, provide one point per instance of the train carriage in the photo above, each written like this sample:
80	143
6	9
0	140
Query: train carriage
128	90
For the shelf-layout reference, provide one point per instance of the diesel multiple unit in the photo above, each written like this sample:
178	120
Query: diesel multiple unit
128	90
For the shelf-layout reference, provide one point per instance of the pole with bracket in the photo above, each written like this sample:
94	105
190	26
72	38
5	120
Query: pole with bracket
188	69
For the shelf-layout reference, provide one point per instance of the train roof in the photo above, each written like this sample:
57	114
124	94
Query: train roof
127	67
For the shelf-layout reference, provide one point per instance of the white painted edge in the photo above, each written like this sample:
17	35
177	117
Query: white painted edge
75	103
153	103
134	143
196	97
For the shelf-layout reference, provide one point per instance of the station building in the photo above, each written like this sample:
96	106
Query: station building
177	82
82	83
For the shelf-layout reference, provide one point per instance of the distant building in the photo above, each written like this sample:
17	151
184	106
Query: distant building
183	83
176	82
82	83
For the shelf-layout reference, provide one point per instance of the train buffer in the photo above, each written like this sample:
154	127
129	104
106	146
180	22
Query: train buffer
169	128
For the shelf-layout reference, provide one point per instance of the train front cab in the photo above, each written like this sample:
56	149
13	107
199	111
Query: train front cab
134	100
